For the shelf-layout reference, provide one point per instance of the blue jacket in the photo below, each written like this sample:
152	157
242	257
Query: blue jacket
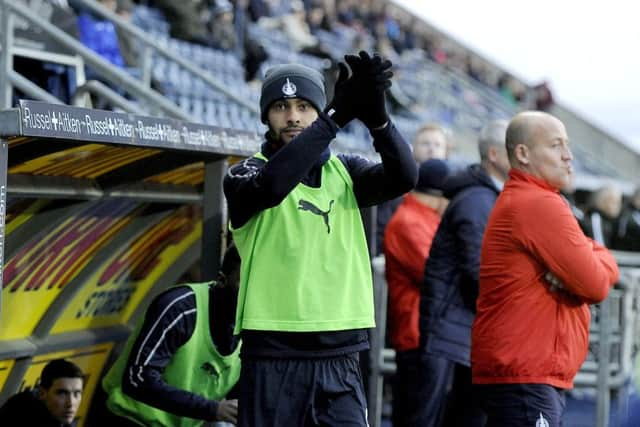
450	286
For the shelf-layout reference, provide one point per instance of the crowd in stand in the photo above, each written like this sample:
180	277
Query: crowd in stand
371	24
313	27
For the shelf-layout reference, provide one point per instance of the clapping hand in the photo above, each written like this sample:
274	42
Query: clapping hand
374	77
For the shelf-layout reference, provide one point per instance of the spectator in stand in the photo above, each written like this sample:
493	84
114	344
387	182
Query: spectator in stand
505	88
54	402
130	53
180	365
223	30
407	242
187	20
538	275
306	289
58	80
345	13
99	34
436	51
295	27
257	9
450	287
319	19
430	142
603	209
543	96
251	51
627	236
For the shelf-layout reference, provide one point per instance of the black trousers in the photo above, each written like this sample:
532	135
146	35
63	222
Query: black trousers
431	391
301	392
515	405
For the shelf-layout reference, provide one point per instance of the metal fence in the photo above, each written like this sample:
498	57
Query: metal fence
614	338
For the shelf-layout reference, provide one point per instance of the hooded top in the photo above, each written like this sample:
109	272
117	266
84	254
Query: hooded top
450	285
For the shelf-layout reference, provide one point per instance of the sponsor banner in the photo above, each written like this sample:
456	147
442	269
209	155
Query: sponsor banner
36	274
62	121
111	295
20	211
90	360
4	149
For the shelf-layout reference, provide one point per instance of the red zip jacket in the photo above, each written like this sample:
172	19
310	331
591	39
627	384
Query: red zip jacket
525	332
407	240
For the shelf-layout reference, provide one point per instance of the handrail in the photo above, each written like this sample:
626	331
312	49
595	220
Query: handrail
102	66
149	41
99	88
30	88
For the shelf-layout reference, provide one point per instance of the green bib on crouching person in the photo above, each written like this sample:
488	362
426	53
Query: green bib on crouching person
196	367
305	262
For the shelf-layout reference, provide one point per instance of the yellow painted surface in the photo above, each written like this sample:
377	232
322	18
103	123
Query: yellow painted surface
5	369
114	291
35	275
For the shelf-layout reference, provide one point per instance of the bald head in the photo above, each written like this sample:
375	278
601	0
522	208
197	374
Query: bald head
523	128
537	143
607	200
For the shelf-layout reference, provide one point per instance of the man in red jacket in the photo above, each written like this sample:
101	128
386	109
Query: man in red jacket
407	240
538	275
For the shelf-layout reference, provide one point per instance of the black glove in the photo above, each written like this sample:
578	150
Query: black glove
341	109
373	75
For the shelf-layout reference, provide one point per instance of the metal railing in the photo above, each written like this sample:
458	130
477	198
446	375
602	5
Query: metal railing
139	88
615	326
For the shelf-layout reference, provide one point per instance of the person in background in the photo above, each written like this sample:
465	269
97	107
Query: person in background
53	403
543	97
627	237
100	35
450	286
223	30
128	48
430	142
407	240
306	291
179	366
538	275
188	19
603	209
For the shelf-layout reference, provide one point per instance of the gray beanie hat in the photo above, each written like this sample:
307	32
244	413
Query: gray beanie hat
292	81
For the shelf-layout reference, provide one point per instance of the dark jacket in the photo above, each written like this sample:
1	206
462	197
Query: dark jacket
25	409
627	236
599	227
169	323
450	287
254	185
